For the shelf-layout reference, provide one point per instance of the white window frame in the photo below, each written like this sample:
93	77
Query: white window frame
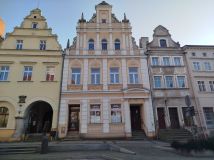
173	81
198	66
185	81
4	71
161	81
116	113
75	76
50	70
28	72
207	66
134	75
96	116
97	77
158	61
42	45
167	44
116	76
170	63
211	84
34	23
19	44
181	60
201	87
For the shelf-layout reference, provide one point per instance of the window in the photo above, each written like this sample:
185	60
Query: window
155	61
116	113
196	66
4	73
201	86
91	44
133	75
209	117
193	54
42	45
169	81
204	54
103	20
34	25
166	61
95	115
4	113
114	75
104	44
177	61
75	76
207	66
163	43
181	81
95	76
27	73
211	83
19	44
50	72
157	81
117	44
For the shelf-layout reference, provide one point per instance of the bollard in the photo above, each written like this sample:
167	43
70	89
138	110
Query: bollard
44	145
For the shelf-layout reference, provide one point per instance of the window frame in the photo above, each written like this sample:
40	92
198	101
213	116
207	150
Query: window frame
50	74
196	67
96	75
116	118
95	118
104	44
201	86
29	78
42	45
184	80
166	44
173	84
163	63
117	44
4	74
209	118
116	75
158	60
19	44
91	44
33	25
76	76
133	75
4	116
207	66
181	60
211	84
154	81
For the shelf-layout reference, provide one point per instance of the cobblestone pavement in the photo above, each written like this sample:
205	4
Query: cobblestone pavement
145	150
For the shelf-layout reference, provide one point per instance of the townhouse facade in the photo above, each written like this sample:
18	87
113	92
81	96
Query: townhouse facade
30	75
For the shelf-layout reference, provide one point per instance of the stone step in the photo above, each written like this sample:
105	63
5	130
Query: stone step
18	150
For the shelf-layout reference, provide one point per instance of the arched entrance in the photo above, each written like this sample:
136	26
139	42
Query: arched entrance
39	117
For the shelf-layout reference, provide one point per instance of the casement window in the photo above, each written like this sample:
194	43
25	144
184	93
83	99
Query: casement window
207	66
166	61
201	86
196	66
19	44
181	81
114	75
4	71
209	117
211	83
34	25
95	76
95	113
27	73
177	61
75	75
163	43
169	82
133	75
4	114
91	44
104	44
116	116
117	44
42	45
50	73
157	81
155	61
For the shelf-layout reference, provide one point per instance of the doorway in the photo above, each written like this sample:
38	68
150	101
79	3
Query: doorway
135	117
161	118
73	124
173	113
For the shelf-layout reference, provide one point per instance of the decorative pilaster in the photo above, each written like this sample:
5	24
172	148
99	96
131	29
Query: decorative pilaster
65	74
85	75
123	44
144	73
105	115
77	44
127	118
124	73
97	49
85	49
149	117
105	74
84	116
111	49
131	45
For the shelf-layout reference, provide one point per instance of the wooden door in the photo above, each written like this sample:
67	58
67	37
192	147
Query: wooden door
173	113
73	124
161	118
135	117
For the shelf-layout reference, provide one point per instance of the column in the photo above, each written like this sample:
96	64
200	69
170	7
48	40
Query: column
110	44
105	74
124	73
65	74
97	49
149	117
63	118
131	45
77	43
85	75
84	116
127	118
123	44
144	73
85	49
105	115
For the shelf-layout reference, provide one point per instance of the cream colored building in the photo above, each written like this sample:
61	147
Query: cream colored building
200	60
105	88
30	71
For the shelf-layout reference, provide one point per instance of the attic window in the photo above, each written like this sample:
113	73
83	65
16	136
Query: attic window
163	43
193	53
204	54
103	20
34	25
34	16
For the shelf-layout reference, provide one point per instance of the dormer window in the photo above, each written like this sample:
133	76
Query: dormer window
103	20
163	43
34	25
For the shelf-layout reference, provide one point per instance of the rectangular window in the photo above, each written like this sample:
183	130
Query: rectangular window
207	66
95	114
4	73
27	73
201	86
211	83
34	25
196	66
209	117
181	81
166	61
133	75
50	72
114	75
155	61
75	75
95	76
42	45
169	81
116	113
177	61
157	81
19	44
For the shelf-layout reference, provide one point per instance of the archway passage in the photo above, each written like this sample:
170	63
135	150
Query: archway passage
39	117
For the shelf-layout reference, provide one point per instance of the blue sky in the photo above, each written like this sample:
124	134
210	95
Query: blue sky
189	21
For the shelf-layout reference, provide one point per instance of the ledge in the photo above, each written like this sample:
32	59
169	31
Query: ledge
25	81
170	88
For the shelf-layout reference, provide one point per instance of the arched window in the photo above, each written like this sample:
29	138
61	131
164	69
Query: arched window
91	44
4	114
104	44
117	44
163	43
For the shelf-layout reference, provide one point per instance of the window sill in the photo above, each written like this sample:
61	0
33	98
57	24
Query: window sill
155	66
25	81
170	88
48	81
4	81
